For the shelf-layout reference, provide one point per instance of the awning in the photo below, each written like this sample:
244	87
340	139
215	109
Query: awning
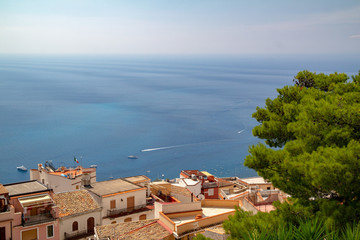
34	201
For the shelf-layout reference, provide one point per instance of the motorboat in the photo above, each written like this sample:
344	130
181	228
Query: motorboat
132	157
93	166
22	168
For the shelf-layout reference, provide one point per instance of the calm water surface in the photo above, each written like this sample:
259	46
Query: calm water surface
187	112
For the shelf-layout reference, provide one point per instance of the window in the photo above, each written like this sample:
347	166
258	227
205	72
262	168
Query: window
43	181
211	192
75	226
50	231
112	204
127	220
113	222
77	186
29	234
268	188
142	217
2	233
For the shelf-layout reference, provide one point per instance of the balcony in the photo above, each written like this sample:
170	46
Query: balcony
77	235
7	213
37	219
118	212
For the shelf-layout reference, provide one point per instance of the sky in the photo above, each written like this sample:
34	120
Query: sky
179	27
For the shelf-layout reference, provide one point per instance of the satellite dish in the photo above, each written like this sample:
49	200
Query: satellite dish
201	196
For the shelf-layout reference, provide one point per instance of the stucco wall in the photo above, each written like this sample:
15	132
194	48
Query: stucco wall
41	231
134	217
67	222
121	200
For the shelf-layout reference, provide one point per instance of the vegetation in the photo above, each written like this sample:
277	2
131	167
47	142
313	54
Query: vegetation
312	152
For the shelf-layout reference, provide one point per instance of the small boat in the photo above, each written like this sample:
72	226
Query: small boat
132	157
22	168
93	166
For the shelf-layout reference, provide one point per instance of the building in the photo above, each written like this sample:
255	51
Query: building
139	230
168	192
63	179
79	213
35	214
187	219
121	201
141	180
256	183
209	185
7	214
193	186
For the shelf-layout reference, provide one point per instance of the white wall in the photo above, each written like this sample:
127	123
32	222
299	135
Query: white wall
176	207
195	189
66	222
134	217
59	183
121	200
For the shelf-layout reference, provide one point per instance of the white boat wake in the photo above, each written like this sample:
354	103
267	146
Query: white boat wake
189	144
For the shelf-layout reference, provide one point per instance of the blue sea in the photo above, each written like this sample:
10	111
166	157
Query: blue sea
186	112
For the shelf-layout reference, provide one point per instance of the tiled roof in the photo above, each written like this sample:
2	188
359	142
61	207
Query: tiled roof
224	183
3	189
75	202
140	230
112	186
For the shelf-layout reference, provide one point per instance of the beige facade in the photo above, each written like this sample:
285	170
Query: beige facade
63	179
77	225
120	200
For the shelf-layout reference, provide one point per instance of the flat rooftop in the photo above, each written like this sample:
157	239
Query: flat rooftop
206	212
137	179
255	180
112	187
75	172
191	172
24	187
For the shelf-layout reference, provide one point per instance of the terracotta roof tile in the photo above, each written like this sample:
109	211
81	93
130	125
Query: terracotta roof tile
139	230
3	189
75	202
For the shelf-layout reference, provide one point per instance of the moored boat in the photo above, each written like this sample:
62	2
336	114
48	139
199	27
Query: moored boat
22	168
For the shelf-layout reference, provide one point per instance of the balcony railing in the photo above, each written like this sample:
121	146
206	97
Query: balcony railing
77	235
117	212
36	219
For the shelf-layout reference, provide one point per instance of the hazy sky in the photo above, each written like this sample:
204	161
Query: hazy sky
180	26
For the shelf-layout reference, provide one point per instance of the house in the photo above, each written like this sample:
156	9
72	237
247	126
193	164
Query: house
209	185
187	219
7	214
35	214
138	230
63	179
79	213
141	180
254	183
170	192
193	186
121	201
193	174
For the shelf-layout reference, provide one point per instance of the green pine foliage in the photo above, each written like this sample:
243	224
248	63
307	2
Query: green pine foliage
311	150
